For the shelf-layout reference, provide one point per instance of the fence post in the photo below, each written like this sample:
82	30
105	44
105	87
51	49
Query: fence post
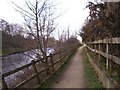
107	63
99	54
66	54
94	49
51	61
4	85
60	54
35	69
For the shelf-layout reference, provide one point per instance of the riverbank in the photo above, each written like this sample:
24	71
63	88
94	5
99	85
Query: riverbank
11	51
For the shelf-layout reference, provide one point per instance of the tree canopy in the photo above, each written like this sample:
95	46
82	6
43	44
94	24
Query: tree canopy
103	21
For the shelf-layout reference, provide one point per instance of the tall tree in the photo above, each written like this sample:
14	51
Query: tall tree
39	17
103	21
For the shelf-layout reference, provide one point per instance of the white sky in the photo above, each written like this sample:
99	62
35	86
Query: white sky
74	16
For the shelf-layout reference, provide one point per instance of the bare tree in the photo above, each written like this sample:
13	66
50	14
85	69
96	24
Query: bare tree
39	17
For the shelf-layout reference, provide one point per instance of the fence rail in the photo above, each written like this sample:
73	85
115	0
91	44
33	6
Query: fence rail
102	49
106	55
109	40
37	73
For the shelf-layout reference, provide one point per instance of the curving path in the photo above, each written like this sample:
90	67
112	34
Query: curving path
73	76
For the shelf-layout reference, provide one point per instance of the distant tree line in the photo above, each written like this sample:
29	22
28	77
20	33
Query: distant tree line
15	39
103	21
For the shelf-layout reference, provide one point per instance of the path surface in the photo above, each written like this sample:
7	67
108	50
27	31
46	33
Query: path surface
73	76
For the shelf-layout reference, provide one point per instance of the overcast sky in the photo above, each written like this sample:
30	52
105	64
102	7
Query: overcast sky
74	15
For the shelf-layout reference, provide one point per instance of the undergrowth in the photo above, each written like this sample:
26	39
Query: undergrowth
92	78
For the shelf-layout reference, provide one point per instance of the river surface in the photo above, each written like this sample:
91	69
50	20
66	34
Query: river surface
14	61
17	60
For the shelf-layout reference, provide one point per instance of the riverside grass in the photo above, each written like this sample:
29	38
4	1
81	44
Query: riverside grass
92	78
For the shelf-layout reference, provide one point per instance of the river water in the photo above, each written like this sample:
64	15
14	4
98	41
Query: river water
17	60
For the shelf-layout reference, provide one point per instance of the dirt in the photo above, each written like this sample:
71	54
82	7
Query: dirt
73	76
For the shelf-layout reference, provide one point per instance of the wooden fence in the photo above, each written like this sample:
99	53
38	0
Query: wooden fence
106	57
52	68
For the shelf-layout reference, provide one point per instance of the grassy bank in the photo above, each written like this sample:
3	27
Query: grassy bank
92	78
53	79
10	51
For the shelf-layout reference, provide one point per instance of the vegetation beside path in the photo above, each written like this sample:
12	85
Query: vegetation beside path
92	80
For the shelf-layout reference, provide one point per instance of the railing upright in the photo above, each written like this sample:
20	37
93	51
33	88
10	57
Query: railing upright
4	85
99	56
51	61
35	69
107	61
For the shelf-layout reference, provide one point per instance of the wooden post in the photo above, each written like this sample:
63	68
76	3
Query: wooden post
94	49
47	64
4	85
107	63
51	61
67	53
60	54
99	54
92	46
35	69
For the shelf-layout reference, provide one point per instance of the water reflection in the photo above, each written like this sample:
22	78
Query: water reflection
17	60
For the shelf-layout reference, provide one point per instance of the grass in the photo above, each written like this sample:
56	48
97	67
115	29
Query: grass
8	51
92	78
0	52
49	83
